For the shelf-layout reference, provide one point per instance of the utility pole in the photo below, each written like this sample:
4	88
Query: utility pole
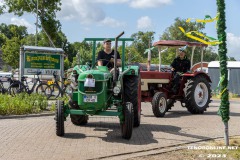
36	37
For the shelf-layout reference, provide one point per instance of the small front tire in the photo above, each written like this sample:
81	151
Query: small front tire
59	117
159	104
127	125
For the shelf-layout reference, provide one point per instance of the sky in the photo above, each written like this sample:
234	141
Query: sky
107	18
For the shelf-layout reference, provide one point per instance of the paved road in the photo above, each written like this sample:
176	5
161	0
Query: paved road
33	138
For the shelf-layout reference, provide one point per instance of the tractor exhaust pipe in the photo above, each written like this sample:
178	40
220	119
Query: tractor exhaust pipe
115	57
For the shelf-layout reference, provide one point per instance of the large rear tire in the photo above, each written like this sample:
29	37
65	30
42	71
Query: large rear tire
77	119
159	104
59	117
170	104
127	125
197	94
132	93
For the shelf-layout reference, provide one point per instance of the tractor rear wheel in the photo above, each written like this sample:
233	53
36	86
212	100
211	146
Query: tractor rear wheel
170	104
159	104
59	117
132	93
77	119
197	94
127	125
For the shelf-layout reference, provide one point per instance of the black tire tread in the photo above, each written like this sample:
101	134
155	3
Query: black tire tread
77	119
170	104
131	95
59	117
189	95
127	127
155	104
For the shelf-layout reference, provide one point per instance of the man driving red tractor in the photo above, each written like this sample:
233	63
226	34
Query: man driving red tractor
180	64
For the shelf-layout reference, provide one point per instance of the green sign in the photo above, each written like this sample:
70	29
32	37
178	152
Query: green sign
42	61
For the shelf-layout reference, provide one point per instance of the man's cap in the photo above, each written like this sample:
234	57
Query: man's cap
107	40
183	49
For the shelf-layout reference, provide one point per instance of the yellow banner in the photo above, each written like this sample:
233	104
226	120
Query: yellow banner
189	34
206	20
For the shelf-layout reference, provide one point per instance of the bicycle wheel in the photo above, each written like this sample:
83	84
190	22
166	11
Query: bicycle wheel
16	88
41	88
55	91
48	92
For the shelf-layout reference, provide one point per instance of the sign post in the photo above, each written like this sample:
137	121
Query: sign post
44	59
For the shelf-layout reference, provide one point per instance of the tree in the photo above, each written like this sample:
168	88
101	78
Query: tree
173	33
11	52
10	31
46	13
82	51
11	38
143	41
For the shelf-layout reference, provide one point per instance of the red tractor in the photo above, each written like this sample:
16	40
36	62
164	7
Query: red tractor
194	92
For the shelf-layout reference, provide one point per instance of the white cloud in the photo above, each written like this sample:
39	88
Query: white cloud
1	2
149	3
144	23
233	46
23	22
84	11
110	22
111	1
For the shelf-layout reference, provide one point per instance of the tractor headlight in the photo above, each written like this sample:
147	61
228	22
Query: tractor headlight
116	90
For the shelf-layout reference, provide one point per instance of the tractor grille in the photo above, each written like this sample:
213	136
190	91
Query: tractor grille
98	87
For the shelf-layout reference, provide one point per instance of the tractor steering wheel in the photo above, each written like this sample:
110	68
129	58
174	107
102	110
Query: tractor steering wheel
104	60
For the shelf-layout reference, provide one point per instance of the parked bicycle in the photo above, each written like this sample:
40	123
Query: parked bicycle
19	86
6	79
55	89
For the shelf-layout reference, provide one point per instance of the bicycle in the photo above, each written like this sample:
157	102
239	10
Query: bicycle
19	86
4	90
54	90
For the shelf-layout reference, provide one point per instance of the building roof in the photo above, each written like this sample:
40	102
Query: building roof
230	64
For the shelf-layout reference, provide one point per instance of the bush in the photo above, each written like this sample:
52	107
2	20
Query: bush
22	104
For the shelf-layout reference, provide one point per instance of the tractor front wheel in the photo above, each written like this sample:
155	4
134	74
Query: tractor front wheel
59	117
132	93
170	104
77	119
197	95
159	104
127	125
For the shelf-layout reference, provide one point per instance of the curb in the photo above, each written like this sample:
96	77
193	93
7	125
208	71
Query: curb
44	113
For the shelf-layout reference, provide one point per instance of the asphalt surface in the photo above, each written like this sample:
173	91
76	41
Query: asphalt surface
33	137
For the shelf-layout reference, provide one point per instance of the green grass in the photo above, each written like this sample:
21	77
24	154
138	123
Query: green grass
233	152
231	95
22	104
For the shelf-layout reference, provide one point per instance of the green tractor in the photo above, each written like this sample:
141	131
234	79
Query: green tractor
97	91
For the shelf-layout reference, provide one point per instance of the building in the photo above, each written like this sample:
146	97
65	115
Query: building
233	75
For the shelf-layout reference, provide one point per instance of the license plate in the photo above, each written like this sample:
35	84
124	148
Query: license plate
90	98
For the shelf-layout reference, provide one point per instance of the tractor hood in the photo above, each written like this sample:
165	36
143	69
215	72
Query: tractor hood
98	75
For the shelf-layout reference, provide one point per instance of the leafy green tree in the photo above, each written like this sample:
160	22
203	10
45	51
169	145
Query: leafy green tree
82	51
231	59
143	41
46	13
10	31
67	64
174	33
11	52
